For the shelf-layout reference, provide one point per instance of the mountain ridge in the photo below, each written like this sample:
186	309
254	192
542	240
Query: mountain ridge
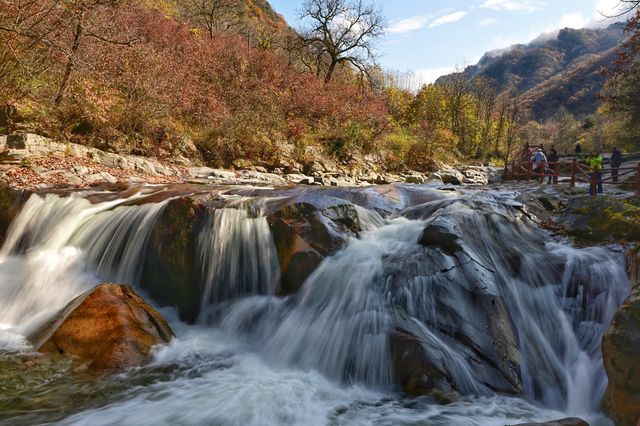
549	74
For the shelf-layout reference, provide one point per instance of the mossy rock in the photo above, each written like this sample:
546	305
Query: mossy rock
603	218
621	356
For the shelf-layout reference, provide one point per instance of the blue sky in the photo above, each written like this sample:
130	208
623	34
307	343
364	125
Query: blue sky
433	37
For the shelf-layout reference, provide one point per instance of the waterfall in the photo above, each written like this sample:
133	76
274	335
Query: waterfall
503	309
59	247
237	256
553	300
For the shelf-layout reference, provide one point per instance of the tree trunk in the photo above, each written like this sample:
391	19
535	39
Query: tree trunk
330	71
77	36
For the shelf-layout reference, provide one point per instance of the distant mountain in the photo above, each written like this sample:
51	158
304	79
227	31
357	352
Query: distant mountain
553	72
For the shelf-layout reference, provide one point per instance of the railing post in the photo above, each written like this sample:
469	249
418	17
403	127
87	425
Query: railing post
638	179
529	170
574	166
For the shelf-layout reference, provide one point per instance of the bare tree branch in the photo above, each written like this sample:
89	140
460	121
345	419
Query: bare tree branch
341	31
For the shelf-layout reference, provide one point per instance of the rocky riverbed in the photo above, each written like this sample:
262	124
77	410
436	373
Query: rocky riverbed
378	293
29	161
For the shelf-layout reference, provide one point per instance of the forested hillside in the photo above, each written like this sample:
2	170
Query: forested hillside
554	72
217	80
224	82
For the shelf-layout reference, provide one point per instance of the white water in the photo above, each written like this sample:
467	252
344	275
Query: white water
237	257
322	357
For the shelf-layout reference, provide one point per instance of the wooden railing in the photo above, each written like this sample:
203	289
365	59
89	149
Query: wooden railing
576	171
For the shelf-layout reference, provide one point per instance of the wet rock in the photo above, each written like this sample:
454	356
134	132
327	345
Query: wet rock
602	218
570	421
304	234
415	373
10	202
451	176
633	264
438	236
296	257
621	355
306	181
170	274
106	328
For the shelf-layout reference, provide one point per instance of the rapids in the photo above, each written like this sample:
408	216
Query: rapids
502	308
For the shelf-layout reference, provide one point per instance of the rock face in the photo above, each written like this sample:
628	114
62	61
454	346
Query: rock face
602	218
10	202
305	234
170	274
108	328
415	373
621	353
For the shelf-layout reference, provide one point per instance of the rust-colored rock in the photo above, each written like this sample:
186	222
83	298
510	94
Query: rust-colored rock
107	328
621	354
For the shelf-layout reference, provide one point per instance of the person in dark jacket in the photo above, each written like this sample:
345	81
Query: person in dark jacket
616	160
578	149
553	158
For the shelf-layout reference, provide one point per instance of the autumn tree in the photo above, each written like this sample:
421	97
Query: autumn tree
341	32
83	21
213	15
622	89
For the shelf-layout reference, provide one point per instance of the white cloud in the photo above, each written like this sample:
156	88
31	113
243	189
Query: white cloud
573	20
410	24
501	42
514	5
430	75
488	22
448	19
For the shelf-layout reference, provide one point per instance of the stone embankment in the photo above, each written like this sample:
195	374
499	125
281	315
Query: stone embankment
29	161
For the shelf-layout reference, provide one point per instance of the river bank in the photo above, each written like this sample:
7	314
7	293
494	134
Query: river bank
29	161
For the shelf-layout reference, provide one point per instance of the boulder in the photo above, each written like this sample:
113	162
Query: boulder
107	328
416	179
415	373
621	355
602	218
633	264
475	176
170	273
450	176
304	234
438	236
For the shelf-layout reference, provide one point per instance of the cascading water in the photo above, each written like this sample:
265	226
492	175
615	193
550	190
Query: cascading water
237	257
497	308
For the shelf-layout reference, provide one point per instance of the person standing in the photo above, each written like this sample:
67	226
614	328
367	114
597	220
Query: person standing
578	149
616	160
553	158
594	161
539	161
